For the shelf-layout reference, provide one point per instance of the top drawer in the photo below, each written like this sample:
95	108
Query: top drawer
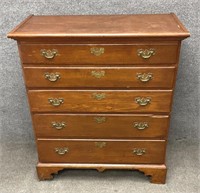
99	54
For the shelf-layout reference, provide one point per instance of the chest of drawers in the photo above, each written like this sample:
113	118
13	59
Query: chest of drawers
100	89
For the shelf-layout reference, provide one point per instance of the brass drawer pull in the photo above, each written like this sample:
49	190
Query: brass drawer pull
49	54
61	150
100	119
143	101
99	96
145	77
146	53
56	101
139	151
52	77
100	144
96	51
141	125
98	74
58	125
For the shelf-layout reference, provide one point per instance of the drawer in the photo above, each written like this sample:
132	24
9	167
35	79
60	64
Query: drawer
152	53
89	77
99	101
121	126
104	151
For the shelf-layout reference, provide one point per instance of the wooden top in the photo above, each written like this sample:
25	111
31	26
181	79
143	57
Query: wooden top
147	25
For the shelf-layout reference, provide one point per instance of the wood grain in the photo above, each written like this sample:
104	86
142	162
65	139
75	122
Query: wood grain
116	77
115	151
114	101
141	25
85	126
157	173
113	54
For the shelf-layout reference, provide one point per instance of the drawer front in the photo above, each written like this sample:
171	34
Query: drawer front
82	151
146	77
123	126
99	101
99	54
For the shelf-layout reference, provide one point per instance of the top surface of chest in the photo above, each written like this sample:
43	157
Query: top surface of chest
134	26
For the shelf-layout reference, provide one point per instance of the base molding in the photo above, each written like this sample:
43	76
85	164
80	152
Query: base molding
157	173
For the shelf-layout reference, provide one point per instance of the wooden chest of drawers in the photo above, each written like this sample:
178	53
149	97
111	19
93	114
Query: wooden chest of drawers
100	89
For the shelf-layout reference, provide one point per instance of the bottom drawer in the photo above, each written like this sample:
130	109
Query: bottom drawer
101	151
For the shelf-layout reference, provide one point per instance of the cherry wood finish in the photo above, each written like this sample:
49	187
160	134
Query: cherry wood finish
85	101
113	54
108	126
99	132
134	26
86	151
157	173
106	77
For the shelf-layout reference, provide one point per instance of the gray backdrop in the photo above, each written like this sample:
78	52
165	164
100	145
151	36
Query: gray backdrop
15	118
